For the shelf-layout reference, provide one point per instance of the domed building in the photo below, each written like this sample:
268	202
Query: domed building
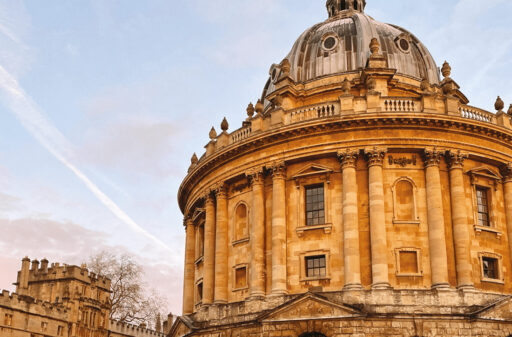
362	196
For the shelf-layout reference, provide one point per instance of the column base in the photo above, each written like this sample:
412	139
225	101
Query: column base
352	287
220	302
440	286
256	296
466	288
279	292
381	286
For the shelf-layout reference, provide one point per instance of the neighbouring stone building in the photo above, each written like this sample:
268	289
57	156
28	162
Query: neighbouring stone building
62	301
362	196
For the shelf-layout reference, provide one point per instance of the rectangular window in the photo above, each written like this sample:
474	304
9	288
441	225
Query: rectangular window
315	209
60	330
240	277
409	262
44	326
490	268
200	292
8	320
482	203
315	266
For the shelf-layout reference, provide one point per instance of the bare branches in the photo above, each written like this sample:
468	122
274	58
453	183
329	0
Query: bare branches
132	301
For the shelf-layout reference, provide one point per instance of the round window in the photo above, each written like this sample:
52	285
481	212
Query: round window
329	43
404	45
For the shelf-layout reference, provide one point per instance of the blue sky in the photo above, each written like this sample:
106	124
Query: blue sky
118	94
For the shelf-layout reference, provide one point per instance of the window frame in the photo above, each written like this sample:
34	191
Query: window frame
198	299
236	241
416	219
235	268
499	264
303	268
306	189
398	268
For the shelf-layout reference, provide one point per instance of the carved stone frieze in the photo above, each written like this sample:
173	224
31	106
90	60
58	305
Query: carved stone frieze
455	158
375	155
348	157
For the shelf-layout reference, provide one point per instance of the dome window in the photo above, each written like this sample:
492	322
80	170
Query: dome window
329	43
403	43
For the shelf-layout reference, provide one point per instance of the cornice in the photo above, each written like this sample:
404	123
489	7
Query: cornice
446	123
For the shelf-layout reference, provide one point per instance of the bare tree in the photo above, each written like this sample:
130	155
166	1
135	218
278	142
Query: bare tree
132	300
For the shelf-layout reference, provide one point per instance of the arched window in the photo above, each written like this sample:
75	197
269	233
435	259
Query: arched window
355	5
404	199
241	228
342	5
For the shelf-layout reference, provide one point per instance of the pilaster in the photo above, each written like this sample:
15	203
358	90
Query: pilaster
279	229
221	245
209	250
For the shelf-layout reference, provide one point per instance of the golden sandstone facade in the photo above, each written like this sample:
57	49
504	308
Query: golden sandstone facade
361	197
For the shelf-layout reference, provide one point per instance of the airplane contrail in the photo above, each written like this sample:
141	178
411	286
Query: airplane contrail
36	123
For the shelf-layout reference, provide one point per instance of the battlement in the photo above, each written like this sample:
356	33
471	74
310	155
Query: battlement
126	329
40	272
14	301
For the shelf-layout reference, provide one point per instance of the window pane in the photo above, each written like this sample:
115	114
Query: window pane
315	214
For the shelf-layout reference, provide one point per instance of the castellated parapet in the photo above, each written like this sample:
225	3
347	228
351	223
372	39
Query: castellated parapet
118	329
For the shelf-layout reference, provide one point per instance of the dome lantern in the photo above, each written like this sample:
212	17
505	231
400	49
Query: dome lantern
335	7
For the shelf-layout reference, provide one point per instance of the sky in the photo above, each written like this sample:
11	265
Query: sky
103	103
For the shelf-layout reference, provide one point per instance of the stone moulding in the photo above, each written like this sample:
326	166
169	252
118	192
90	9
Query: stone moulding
445	123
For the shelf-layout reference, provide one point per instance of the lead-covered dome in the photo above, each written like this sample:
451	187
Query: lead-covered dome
341	45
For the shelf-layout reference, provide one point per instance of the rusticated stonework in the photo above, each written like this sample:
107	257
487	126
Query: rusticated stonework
348	232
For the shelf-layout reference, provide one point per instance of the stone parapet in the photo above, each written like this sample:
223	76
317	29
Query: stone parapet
118	329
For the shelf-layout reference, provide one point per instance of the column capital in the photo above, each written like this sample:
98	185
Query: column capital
506	171
375	155
432	156
455	159
187	221
278	169
220	190
348	157
255	176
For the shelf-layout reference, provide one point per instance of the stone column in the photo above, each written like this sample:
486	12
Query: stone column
188	283
221	246
378	241
507	191
460	219
435	219
257	272
209	250
279	229
351	254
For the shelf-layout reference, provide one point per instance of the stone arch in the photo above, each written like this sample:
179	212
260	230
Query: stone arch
404	200
241	223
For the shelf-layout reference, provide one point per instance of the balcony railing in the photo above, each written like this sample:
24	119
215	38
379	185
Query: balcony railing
401	104
470	112
314	112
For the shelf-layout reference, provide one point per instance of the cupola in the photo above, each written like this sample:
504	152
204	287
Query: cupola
336	7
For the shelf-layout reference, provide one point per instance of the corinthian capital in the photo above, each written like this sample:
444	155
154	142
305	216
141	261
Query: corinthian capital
506	171
375	155
348	157
455	158
432	156
220	190
255	176
278	169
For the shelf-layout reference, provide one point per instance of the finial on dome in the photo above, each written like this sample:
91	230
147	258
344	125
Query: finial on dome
374	47
259	107
345	86
194	159
509	112
446	70
213	133
335	7
224	125
250	110
499	105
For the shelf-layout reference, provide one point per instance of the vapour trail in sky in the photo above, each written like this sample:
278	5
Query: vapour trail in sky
36	123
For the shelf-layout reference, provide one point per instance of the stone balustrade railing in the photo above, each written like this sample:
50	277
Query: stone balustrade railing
392	104
241	134
470	112
325	110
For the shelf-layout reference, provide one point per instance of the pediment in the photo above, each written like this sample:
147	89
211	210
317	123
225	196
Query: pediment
499	310
182	327
485	171
310	306
312	169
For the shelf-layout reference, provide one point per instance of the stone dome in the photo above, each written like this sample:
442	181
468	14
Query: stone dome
341	45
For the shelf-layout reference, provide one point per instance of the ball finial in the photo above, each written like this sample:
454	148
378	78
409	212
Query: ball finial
224	125
446	70
374	46
250	110
259	107
499	105
213	133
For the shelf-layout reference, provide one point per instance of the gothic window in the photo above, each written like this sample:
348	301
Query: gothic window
316	266
404	201
315	207
482	202
241	223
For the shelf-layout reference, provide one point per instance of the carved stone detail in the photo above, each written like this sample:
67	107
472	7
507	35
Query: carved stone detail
432	157
348	157
506	171
255	176
375	155
279	169
455	158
